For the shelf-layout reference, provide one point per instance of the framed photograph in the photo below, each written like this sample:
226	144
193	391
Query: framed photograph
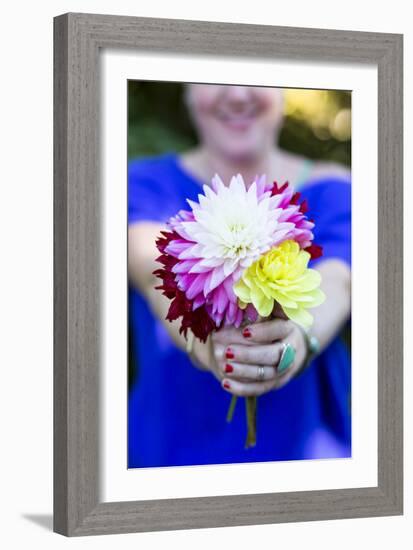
228	274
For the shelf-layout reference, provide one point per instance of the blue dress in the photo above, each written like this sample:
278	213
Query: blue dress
176	412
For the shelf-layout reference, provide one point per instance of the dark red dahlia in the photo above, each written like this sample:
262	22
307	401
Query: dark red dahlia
197	320
315	251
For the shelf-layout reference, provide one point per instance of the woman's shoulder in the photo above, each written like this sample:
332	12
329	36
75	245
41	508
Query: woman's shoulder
332	191
321	170
155	176
300	170
163	173
327	185
151	167
156	188
328	196
327	178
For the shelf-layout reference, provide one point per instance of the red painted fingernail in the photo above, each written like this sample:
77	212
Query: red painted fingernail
246	333
229	354
226	385
229	368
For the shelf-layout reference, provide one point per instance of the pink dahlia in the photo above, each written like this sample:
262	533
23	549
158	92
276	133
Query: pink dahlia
224	233
295	213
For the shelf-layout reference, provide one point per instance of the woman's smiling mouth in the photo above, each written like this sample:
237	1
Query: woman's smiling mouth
237	120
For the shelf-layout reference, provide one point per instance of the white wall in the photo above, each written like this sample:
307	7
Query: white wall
26	271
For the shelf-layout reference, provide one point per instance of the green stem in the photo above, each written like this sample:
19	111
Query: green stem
230	413
251	412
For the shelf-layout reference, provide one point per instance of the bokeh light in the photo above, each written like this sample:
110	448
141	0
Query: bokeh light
326	112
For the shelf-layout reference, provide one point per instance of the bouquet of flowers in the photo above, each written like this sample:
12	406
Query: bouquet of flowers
234	256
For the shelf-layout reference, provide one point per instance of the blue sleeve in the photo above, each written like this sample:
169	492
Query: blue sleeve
330	207
148	192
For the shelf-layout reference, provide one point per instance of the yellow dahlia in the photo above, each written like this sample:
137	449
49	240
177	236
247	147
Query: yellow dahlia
281	276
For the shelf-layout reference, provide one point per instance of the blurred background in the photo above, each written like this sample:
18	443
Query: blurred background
317	123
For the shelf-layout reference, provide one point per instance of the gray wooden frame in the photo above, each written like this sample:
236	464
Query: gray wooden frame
78	40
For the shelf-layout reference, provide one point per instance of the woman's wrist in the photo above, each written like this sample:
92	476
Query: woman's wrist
199	352
312	348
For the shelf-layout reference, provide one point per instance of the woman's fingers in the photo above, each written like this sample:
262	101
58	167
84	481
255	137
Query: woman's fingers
229	335
254	355
249	373
247	389
267	331
248	370
251	370
239	383
263	332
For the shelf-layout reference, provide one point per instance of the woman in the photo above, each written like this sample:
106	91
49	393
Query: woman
177	404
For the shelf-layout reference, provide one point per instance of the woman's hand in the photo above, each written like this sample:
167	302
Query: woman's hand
235	356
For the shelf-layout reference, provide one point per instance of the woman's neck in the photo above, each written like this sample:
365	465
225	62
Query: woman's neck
204	164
